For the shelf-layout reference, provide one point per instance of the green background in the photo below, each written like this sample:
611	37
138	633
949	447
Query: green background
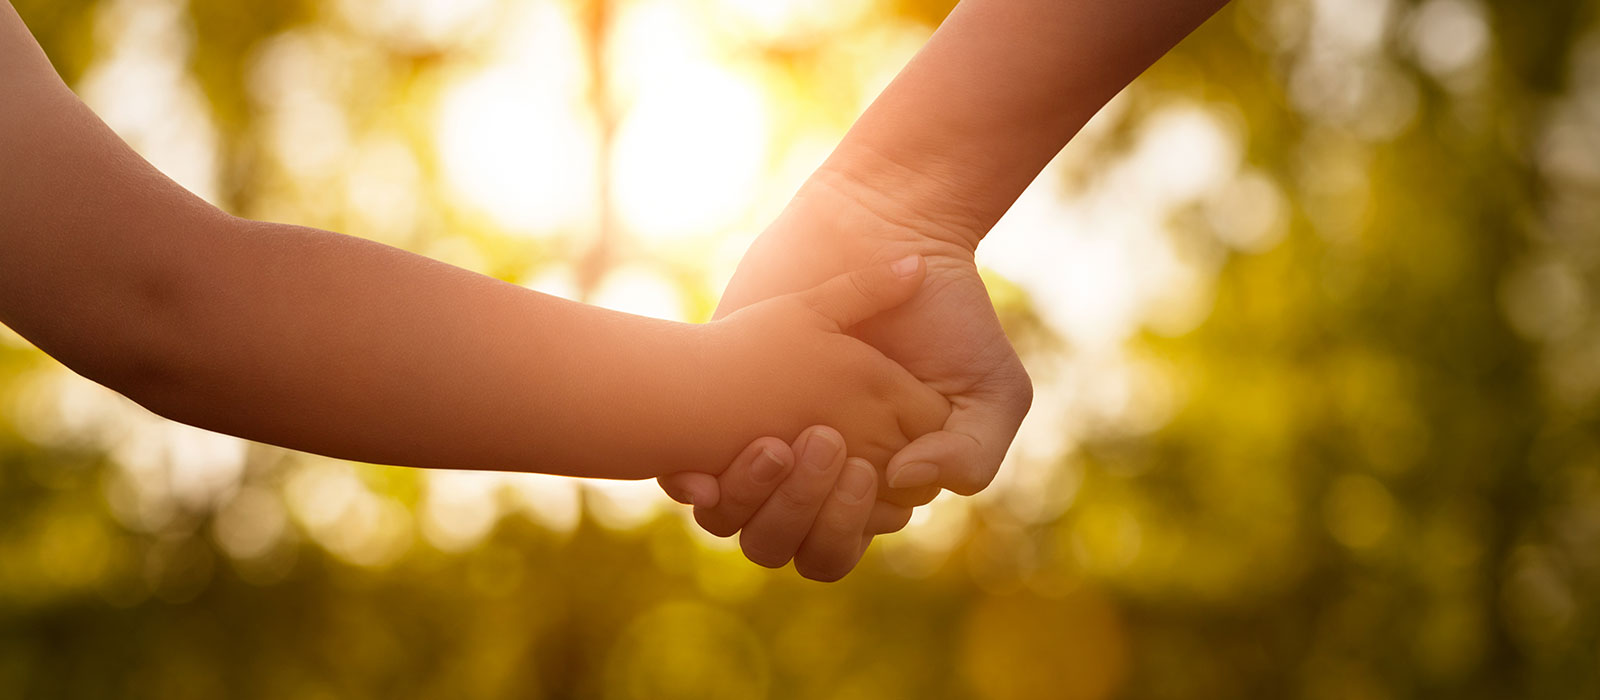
1381	478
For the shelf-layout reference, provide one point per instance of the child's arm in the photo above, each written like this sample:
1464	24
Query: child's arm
345	347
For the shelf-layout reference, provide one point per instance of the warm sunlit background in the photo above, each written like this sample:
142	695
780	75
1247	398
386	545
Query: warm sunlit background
1313	310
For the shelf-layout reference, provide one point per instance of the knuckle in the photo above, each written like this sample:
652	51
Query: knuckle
743	499
883	387
1024	390
830	529
1020	385
861	284
716	524
723	530
866	378
829	552
889	527
825	567
912	497
933	410
762	555
888	518
879	452
794	500
967	483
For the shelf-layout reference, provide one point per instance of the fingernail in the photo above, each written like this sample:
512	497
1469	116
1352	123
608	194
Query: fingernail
766	468
857	479
819	451
913	475
904	267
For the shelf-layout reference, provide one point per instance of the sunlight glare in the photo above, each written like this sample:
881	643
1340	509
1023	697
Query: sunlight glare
639	290
772	21
551	501
251	523
1184	151
624	505
515	139
418	24
460	508
693	147
385	189
143	90
555	280
1449	36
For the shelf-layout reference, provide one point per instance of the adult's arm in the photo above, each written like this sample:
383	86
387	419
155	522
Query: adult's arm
929	168
995	93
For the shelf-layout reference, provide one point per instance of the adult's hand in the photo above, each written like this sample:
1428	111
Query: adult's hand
805	502
928	169
947	336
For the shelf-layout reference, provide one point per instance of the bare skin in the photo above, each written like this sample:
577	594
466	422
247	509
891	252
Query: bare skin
344	347
928	169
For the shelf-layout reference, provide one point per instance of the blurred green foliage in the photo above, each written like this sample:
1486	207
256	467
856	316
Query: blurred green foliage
1381	478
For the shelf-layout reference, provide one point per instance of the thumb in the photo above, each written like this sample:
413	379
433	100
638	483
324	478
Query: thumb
965	456
856	296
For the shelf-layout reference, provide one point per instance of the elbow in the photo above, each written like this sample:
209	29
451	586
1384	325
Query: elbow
133	365
142	347
143	377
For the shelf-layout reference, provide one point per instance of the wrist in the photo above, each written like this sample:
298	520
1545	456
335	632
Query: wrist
712	419
896	205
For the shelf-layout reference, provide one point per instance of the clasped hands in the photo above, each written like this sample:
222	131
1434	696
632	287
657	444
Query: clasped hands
820	499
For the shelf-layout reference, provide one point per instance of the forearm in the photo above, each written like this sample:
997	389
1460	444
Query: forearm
313	340
343	347
997	91
340	346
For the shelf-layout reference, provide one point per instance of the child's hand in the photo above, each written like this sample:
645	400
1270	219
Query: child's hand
788	357
781	365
